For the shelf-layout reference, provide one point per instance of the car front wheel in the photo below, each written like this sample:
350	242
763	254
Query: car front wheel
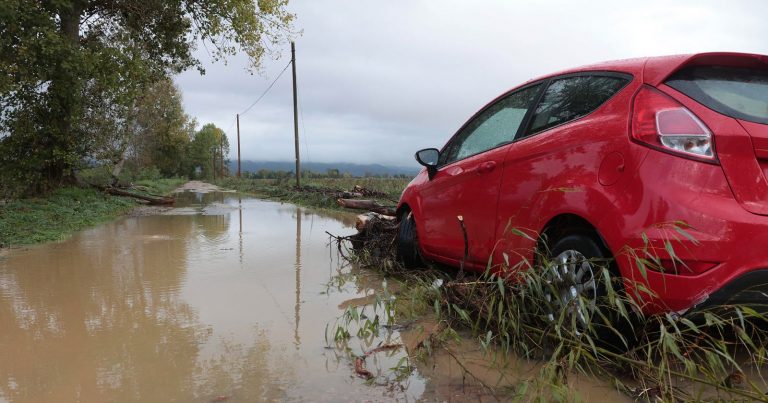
408	242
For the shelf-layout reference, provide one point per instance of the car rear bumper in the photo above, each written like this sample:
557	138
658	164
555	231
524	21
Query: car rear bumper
721	246
750	289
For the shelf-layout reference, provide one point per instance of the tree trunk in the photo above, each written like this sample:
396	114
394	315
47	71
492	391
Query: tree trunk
116	169
153	200
65	90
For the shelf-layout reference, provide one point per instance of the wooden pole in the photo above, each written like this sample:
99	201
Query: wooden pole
295	117
238	145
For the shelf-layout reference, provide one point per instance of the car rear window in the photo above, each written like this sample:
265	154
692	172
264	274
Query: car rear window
736	92
570	98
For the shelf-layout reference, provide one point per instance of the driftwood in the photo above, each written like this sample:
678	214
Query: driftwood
369	205
152	200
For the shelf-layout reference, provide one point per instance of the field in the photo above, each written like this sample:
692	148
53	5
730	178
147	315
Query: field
318	192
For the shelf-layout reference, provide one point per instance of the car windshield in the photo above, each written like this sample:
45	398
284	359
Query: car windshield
736	92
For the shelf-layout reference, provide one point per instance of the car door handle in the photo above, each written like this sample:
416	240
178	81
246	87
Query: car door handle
486	167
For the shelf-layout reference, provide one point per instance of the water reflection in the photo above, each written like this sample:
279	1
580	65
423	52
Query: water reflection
184	294
188	306
240	229
297	306
92	318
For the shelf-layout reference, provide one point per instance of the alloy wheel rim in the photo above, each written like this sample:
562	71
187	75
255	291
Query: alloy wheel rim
572	288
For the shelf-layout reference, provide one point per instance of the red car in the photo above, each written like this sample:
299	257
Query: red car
599	161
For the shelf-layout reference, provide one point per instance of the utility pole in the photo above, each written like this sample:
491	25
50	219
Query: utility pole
295	117
238	145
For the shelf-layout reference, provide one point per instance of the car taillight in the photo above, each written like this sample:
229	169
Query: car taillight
663	123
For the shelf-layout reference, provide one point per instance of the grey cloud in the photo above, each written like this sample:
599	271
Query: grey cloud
379	80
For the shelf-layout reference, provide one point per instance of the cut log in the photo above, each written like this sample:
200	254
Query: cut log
369	205
361	221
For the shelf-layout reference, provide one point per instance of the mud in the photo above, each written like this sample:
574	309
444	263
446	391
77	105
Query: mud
221	298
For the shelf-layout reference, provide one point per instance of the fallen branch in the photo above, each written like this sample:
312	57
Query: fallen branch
153	200
369	205
466	371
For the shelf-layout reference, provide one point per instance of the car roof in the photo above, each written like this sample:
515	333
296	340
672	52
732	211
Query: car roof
654	70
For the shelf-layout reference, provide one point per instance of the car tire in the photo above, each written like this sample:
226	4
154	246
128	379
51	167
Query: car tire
407	242
575	263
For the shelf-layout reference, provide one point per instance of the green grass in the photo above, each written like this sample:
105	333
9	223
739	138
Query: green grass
317	192
57	215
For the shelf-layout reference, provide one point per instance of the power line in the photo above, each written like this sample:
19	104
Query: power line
303	127
231	125
265	91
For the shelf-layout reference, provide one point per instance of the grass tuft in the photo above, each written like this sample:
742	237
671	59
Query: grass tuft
710	354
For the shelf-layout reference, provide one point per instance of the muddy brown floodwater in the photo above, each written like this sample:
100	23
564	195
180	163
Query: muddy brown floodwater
223	298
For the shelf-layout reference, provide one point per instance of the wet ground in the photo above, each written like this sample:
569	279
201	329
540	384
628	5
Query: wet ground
222	298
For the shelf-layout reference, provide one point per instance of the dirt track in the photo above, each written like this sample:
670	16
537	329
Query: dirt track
199	187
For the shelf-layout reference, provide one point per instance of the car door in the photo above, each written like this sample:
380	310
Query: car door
467	182
561	150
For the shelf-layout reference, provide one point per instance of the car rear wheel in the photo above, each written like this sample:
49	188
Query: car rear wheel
576	290
408	242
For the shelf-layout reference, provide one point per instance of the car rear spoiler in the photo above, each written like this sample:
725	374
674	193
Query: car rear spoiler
657	70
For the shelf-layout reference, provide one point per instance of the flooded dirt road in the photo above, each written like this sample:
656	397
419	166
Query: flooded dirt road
222	298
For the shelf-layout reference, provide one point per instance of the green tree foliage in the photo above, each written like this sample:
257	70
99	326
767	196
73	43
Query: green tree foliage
153	132
167	130
206	150
60	59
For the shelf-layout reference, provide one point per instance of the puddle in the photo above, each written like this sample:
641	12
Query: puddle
223	298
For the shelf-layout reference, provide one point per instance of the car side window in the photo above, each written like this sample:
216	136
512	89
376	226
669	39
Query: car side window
496	125
570	98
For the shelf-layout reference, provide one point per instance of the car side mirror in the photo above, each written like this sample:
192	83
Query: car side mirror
429	157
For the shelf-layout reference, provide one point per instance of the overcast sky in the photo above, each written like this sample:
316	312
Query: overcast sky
380	80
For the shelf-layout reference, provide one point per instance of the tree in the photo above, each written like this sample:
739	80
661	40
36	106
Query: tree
167	130
55	53
152	132
208	145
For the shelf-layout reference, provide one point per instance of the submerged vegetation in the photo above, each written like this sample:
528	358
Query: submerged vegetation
710	354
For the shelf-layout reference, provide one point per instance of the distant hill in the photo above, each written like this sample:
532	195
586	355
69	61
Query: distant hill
322	167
